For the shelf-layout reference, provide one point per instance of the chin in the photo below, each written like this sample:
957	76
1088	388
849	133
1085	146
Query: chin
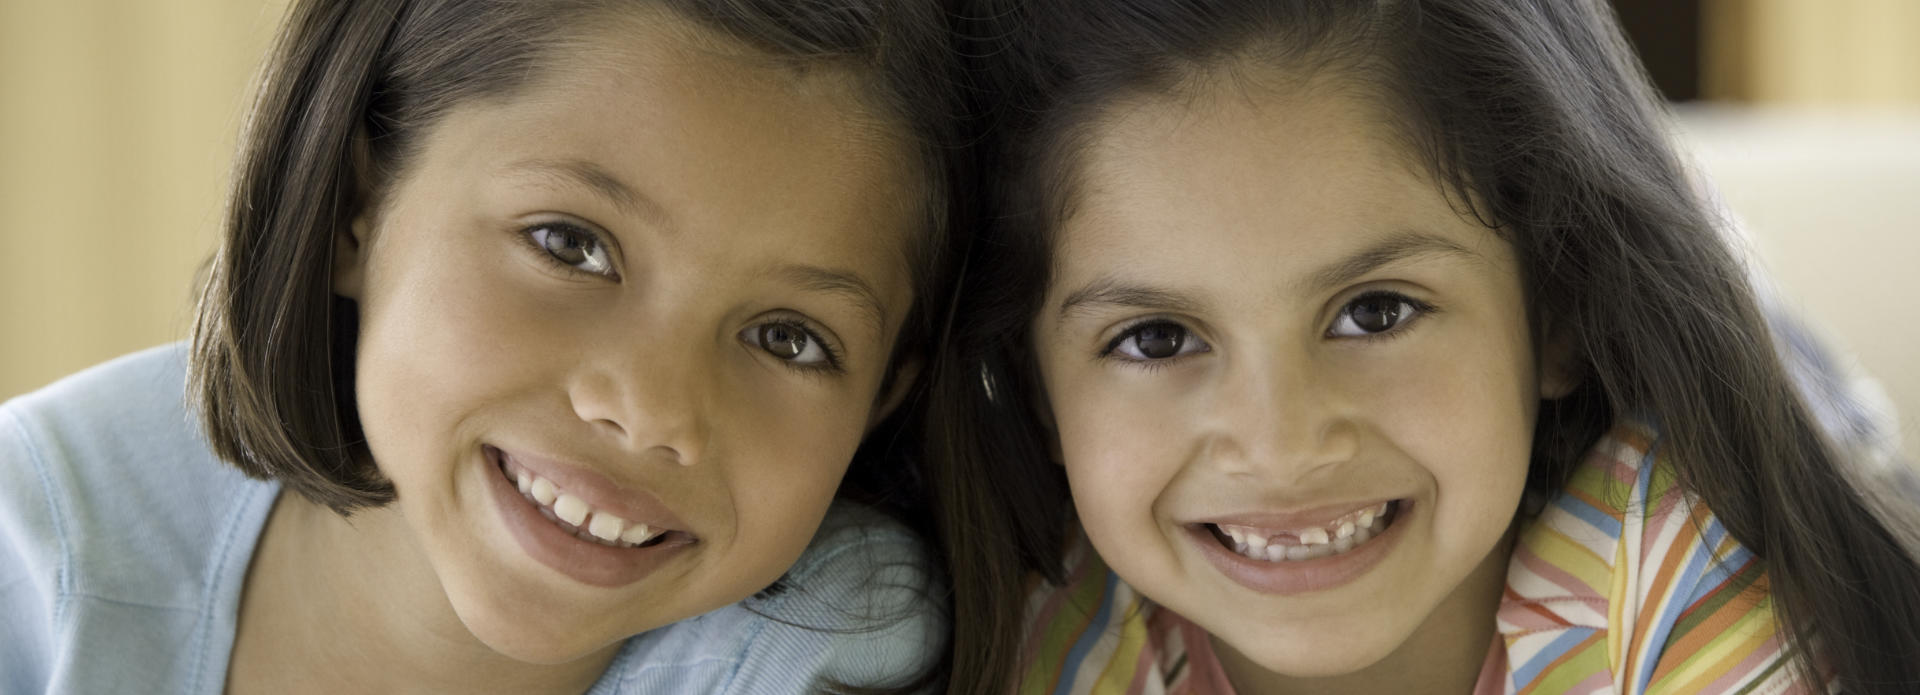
534	633
1309	653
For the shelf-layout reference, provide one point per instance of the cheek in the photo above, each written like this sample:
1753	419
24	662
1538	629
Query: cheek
1119	451
784	456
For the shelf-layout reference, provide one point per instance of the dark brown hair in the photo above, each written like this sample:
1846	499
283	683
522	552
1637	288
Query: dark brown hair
352	86
1538	121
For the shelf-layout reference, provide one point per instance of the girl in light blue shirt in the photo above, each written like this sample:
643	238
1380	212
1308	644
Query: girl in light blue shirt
537	357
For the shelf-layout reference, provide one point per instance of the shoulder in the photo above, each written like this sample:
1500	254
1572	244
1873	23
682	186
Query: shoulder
1626	552
1094	624
863	607
108	468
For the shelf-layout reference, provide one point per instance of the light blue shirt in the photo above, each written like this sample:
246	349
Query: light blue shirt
124	544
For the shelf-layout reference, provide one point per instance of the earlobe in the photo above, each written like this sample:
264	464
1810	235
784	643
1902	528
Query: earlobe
350	258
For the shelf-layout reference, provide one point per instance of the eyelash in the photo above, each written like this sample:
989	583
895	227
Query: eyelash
833	362
1421	310
526	235
1133	329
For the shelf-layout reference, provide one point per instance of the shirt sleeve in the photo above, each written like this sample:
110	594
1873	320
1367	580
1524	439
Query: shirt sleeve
30	558
861	609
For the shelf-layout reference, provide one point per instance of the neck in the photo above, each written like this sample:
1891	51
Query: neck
1443	655
353	605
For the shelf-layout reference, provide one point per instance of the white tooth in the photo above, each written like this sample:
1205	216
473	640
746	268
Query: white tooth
1298	552
1240	548
1319	551
1313	536
1382	509
1362	535
1366	518
1276	553
1343	544
570	509
525	481
542	490
637	533
606	527
1346	529
1256	541
1237	535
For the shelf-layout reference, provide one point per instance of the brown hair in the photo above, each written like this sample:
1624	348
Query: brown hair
352	85
1536	117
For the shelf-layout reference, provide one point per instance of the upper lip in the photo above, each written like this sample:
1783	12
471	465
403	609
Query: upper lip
603	494
1289	519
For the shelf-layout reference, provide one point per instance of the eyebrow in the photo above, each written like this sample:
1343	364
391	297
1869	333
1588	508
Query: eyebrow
594	178
847	285
1110	291
1393	249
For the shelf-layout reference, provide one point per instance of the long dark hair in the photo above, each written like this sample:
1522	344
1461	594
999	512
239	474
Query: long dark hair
1539	122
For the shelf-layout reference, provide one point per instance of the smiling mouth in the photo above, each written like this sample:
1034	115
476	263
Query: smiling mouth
582	521
1341	535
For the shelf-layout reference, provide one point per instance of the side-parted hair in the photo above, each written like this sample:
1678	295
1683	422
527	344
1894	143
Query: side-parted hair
1536	119
349	91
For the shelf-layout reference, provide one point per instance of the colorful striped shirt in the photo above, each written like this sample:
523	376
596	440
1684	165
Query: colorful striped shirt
1624	583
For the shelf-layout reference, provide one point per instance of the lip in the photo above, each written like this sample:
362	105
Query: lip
1316	516
589	563
1299	577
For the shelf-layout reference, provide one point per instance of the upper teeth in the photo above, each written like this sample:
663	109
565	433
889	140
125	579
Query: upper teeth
1336	536
605	526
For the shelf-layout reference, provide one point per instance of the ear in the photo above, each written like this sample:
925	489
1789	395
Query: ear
350	245
1561	369
906	372
350	257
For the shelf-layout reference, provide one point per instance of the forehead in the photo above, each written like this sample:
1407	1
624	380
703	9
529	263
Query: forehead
718	140
1282	169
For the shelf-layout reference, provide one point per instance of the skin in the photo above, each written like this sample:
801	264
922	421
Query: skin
1215	213
738	169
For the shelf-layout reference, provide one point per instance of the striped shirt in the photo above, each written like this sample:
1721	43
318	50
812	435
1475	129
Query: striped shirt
1624	583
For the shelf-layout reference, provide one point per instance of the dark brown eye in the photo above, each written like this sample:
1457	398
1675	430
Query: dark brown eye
1158	340
783	340
1374	314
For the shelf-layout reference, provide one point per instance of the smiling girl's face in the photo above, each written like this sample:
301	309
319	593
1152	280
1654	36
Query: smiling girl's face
622	331
1294	389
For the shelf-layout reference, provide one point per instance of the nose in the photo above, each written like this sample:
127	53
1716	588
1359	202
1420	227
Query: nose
646	397
1278	419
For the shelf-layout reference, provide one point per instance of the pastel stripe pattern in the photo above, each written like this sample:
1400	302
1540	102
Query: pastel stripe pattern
1625	584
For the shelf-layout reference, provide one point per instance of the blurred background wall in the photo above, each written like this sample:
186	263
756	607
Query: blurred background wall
118	120
117	123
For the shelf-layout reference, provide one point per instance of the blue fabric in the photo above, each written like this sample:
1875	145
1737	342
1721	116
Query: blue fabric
124	544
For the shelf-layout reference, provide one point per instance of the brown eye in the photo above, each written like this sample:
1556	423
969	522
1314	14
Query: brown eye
784	341
1156	340
794	343
1375	314
572	247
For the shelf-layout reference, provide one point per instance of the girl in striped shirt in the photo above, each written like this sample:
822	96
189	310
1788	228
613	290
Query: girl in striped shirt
1378	347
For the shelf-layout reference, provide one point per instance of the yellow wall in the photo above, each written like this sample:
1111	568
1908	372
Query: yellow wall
117	123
